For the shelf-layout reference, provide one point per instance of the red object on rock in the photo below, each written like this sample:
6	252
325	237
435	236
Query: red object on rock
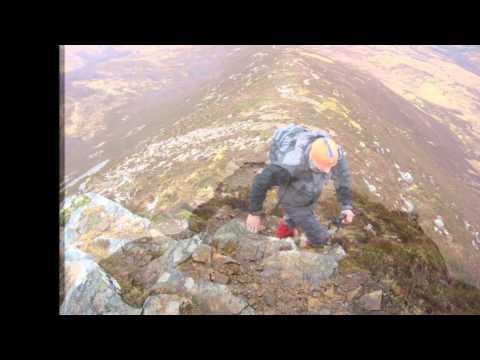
284	231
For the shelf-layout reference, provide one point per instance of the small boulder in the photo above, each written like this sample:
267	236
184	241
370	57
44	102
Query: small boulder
234	234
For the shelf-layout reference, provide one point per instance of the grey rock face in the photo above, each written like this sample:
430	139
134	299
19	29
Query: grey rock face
96	294
183	250
229	235
101	226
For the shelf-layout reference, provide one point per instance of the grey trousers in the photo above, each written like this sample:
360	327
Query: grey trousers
305	220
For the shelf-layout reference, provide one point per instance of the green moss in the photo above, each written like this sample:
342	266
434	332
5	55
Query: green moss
401	251
195	222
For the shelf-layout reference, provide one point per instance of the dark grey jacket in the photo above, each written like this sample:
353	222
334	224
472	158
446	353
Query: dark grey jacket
306	184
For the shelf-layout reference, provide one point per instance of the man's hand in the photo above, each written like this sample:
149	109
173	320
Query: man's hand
254	223
349	215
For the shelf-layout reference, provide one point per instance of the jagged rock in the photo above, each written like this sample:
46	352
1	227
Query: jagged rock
140	261
164	304
232	233
173	253
91	291
100	226
372	301
173	282
300	267
76	267
183	250
228	236
216	299
148	275
202	254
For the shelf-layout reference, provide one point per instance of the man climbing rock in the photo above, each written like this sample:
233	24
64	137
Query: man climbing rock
301	162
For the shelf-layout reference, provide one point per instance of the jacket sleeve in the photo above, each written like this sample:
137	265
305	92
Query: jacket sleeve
272	175
342	178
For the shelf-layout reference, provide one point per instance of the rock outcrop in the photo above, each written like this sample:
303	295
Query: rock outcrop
136	273
394	269
90	291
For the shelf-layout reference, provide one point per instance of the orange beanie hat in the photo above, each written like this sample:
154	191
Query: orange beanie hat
324	153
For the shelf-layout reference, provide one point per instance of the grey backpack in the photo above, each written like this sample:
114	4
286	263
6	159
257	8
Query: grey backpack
289	142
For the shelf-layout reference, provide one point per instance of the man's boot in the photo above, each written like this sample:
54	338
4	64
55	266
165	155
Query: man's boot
285	231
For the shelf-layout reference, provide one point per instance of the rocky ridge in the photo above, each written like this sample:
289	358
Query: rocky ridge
116	262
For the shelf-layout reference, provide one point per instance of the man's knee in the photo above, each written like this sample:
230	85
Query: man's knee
316	233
